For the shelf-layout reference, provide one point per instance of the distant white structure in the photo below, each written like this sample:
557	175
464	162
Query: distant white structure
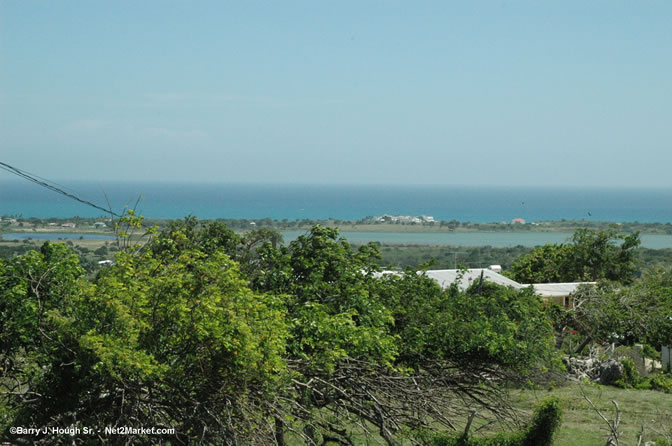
100	224
69	225
105	263
404	219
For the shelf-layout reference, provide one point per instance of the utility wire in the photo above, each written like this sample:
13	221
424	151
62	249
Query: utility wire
44	183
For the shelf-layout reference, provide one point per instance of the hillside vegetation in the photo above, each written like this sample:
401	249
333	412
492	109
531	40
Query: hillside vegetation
223	338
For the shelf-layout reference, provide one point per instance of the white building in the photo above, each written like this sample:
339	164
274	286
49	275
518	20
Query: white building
555	292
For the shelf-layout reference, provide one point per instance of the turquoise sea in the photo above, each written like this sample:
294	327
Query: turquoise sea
349	202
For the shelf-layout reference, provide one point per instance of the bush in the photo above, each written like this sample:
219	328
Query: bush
650	352
662	382
630	373
541	431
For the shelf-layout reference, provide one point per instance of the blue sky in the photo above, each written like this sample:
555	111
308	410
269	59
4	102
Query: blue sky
569	93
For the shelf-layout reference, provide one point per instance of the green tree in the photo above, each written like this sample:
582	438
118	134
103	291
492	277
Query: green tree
548	263
308	337
590	256
640	312
394	350
485	326
181	343
339	341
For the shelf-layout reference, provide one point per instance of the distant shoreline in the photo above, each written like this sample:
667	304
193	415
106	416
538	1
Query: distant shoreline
347	203
86	226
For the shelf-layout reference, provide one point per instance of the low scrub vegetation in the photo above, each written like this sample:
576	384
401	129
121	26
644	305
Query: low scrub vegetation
240	339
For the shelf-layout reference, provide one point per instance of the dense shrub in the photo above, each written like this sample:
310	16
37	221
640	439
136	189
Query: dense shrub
541	431
662	382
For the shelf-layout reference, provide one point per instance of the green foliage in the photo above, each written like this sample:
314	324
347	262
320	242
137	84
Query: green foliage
184	234
662	382
332	298
631	377
255	251
499	325
229	337
181	343
548	263
628	314
486	324
590	256
541	431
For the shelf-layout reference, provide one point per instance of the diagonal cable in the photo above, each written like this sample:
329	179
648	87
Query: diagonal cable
44	183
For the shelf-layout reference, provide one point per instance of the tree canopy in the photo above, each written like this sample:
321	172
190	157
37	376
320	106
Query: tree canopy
589	256
239	339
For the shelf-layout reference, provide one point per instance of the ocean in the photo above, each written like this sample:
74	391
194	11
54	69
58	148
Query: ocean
343	202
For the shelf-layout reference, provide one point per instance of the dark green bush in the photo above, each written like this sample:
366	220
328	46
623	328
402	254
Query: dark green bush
540	432
662	382
631	377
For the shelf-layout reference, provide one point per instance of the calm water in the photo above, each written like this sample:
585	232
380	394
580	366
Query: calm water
494	239
479	205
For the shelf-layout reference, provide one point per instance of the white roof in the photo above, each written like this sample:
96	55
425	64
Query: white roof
446	277
557	289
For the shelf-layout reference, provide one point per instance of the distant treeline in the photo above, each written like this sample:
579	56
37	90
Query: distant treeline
447	257
393	255
245	224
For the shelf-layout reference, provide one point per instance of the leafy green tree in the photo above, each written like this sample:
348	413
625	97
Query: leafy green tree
308	337
392	350
641	312
36	346
604	255
486	325
590	256
181	343
339	340
548	263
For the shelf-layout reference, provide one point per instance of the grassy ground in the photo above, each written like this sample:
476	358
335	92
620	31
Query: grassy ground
582	426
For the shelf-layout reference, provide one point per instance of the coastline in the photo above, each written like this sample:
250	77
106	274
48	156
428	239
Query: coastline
85	226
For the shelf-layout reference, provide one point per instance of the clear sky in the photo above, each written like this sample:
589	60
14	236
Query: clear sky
575	93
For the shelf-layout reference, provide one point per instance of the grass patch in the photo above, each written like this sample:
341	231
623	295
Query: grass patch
581	426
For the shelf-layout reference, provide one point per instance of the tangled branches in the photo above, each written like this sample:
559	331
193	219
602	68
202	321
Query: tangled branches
381	402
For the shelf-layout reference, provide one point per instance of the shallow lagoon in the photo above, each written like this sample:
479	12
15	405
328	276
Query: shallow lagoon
494	239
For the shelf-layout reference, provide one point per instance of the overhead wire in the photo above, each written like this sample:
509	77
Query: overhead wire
52	186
